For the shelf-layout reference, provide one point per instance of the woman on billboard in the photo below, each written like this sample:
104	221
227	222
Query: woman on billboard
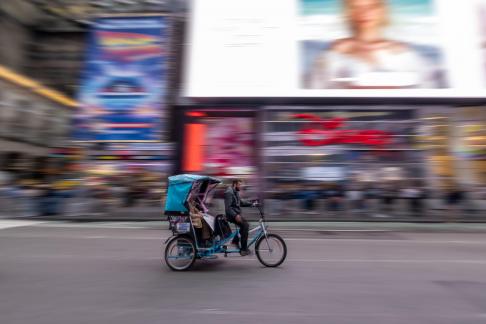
367	59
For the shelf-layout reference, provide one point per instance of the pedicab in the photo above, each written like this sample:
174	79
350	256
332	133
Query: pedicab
185	246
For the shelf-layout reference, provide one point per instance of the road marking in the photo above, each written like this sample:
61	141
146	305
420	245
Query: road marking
7	223
85	237
97	225
387	241
253	259
320	317
390	261
300	314
332	230
163	226
335	240
377	261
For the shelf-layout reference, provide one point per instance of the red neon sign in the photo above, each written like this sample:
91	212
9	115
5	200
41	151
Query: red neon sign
320	132
196	114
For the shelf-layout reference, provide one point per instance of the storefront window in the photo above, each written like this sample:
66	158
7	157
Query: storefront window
469	145
346	141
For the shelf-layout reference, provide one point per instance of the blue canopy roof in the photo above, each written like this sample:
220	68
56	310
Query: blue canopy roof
179	187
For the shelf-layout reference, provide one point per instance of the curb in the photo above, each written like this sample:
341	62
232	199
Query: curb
312	226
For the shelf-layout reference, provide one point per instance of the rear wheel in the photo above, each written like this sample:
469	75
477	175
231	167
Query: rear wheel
180	253
271	250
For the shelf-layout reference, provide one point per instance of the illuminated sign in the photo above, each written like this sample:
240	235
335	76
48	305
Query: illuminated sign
124	81
320	132
129	45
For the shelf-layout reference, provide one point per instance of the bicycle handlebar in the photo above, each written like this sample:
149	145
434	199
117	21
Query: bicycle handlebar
259	206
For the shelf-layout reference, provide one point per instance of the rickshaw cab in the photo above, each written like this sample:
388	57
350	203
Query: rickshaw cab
188	193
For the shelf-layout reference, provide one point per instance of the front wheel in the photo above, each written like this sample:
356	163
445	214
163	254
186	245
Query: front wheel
271	250
180	253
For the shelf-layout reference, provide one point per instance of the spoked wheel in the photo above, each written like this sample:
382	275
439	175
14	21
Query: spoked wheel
180	253
271	251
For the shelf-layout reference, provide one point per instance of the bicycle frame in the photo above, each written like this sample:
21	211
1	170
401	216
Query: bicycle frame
221	246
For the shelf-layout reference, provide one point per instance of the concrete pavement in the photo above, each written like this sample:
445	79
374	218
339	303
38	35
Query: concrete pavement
112	273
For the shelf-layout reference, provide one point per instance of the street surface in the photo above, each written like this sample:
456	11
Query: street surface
59	272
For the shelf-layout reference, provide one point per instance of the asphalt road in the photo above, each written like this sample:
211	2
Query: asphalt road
112	273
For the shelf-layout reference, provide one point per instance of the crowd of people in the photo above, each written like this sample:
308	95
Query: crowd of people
389	199
70	194
66	195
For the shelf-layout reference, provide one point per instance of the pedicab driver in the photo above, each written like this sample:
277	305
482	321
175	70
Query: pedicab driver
232	206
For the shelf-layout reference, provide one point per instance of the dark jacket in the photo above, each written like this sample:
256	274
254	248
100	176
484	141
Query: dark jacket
233	203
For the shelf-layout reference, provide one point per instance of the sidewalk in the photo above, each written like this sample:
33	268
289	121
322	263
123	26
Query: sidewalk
301	217
379	226
82	211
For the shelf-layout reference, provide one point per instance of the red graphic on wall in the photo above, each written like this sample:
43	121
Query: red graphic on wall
320	132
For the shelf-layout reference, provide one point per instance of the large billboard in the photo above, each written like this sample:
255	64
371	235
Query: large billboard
124	81
370	44
336	48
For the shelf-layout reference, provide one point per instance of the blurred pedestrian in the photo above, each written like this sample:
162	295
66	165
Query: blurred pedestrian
356	199
388	197
48	200
29	194
309	197
453	198
413	196
5	192
335	196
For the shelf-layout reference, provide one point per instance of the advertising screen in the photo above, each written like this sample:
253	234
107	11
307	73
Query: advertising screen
336	48
124	80
220	146
230	145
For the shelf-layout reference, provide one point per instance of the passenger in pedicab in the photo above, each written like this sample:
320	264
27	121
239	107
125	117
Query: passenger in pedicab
202	228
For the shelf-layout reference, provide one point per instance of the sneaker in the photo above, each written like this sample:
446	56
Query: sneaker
245	252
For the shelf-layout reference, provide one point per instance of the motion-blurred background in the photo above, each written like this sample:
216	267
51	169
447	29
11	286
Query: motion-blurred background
101	100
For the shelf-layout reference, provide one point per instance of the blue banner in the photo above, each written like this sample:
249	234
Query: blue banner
124	81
